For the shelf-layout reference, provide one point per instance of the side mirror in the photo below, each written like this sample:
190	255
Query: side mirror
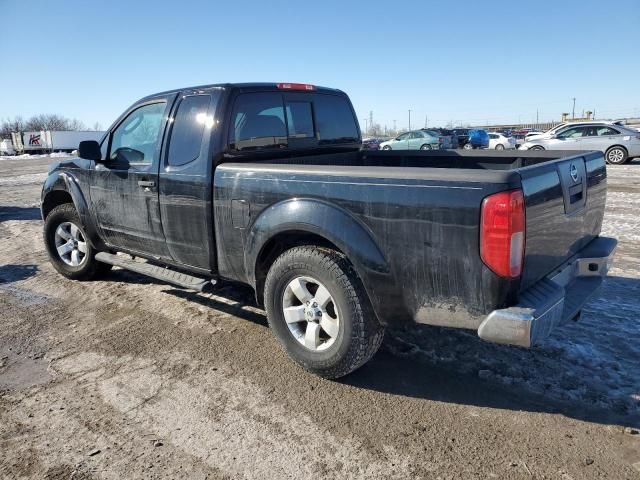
90	150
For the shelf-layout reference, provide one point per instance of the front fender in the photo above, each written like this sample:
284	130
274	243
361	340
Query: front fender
340	228
65	181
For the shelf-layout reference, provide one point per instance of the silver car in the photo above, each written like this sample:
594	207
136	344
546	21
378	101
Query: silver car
618	143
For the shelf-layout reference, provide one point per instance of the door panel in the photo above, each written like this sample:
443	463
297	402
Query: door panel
185	182
124	185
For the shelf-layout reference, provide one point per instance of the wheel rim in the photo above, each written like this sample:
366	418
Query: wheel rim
616	155
425	147
468	146
310	313
70	244
386	147
499	147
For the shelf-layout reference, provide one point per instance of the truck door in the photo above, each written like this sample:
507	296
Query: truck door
185	181
124	185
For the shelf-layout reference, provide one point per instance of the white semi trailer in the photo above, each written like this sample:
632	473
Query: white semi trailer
52	140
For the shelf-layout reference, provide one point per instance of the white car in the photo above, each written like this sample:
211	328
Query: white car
498	141
552	131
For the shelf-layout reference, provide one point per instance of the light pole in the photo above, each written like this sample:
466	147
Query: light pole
573	114
409	119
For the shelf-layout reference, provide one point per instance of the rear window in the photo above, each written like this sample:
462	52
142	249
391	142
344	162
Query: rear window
271	120
334	120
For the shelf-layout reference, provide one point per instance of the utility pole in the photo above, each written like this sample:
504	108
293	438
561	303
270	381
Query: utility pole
537	116
371	119
426	120
409	119
573	114
395	130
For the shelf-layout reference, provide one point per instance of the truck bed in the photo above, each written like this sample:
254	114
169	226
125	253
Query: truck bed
422	210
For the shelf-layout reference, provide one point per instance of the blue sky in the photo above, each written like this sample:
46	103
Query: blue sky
463	61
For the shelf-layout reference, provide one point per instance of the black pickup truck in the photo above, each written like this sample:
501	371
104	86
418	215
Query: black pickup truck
266	184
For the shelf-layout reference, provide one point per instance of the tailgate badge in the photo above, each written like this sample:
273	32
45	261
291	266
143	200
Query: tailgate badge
573	170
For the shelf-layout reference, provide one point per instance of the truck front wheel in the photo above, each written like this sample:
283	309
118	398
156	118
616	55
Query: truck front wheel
69	250
319	311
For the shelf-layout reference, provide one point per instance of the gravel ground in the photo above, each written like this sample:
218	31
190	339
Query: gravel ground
130	378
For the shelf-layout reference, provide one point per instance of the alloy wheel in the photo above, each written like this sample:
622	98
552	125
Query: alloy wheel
71	244
310	313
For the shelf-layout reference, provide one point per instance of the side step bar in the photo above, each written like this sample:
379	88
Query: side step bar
159	273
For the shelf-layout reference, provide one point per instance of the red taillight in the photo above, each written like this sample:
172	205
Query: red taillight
502	233
295	86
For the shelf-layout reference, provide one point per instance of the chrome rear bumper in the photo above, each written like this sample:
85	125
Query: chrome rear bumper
553	300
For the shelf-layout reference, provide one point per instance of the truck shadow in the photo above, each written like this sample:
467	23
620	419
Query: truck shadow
19	213
586	370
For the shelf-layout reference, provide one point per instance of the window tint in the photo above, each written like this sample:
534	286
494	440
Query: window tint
188	125
574	132
300	120
404	136
493	136
258	122
334	120
602	131
135	139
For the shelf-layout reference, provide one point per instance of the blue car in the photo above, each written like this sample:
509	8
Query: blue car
478	138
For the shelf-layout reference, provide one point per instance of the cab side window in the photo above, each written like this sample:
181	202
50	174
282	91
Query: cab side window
135	140
189	124
257	122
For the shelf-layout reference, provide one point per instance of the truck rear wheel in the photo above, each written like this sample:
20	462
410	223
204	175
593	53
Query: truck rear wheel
319	311
69	250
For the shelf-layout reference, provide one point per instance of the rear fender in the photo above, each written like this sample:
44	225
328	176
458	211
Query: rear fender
344	231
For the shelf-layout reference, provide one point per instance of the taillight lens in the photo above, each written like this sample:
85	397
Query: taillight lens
502	233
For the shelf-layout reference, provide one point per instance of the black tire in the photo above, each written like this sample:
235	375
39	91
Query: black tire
386	147
536	148
616	155
359	332
467	146
426	146
89	268
499	147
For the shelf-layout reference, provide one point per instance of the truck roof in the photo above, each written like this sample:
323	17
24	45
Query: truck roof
247	85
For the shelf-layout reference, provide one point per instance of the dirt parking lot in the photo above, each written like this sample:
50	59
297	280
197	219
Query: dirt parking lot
129	378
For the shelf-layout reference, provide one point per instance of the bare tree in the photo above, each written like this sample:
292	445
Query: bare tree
17	124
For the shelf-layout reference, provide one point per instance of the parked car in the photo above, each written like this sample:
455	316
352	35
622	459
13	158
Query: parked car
337	242
619	144
449	138
478	138
498	141
463	136
414	140
370	144
552	131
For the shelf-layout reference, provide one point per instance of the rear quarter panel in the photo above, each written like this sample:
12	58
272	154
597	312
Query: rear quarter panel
424	221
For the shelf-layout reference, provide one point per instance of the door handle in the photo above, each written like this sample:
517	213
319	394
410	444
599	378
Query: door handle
146	183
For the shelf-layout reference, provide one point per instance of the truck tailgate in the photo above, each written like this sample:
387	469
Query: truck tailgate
564	201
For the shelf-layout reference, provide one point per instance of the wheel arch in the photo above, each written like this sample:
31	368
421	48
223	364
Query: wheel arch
295	222
62	187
